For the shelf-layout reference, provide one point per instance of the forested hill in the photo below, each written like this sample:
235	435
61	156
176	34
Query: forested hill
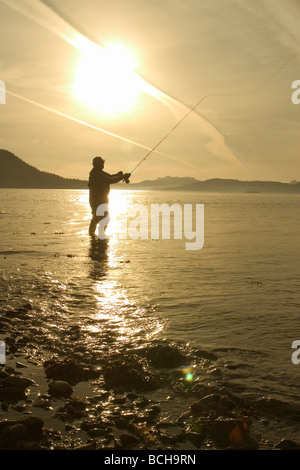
15	173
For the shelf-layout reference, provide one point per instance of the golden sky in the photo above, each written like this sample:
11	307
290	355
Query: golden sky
112	78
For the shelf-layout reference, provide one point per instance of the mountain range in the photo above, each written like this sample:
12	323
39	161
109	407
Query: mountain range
15	173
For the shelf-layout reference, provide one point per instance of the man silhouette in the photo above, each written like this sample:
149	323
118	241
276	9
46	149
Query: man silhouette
99	184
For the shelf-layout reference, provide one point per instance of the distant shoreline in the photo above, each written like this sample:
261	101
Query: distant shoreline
17	174
171	190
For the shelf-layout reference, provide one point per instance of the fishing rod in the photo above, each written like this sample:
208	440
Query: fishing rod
262	85
165	137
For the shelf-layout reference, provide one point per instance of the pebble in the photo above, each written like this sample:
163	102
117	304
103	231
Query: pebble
88	446
43	401
20	365
60	388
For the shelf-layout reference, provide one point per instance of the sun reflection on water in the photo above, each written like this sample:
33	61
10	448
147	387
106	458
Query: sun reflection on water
118	319
119	202
114	310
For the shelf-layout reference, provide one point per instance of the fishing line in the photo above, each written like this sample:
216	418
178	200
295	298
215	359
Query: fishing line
256	90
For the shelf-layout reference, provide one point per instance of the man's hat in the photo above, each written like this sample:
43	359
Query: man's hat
98	159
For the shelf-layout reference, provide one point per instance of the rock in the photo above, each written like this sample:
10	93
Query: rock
128	440
19	312
195	438
227	403
131	396
213	402
228	431
15	433
69	371
20	408
118	444
20	365
74	408
25	307
3	374
88	425
121	423
119	400
10	370
129	374
141	402
14	381
12	388
97	432
164	356
287	444
12	434
207	403
154	410
88	446
12	394
42	401
59	388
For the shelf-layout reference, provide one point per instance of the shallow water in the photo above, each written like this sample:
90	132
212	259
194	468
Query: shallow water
238	296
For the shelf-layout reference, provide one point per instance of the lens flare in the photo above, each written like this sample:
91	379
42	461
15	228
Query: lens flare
188	374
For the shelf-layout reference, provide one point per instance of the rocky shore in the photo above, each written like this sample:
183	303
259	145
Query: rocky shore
59	394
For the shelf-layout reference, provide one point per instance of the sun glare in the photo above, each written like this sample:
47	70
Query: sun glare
119	201
106	80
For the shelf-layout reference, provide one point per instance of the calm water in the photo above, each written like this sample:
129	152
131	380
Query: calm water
238	296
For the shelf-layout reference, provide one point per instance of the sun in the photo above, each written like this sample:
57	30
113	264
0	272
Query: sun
106	80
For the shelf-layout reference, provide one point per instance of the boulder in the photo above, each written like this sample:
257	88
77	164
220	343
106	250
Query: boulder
14	433
60	388
228	431
15	381
12	388
69	371
129	374
12	394
165	356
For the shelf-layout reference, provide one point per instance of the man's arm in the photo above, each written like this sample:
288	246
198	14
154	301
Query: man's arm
118	177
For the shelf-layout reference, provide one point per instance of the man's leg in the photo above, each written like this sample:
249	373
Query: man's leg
93	226
95	221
